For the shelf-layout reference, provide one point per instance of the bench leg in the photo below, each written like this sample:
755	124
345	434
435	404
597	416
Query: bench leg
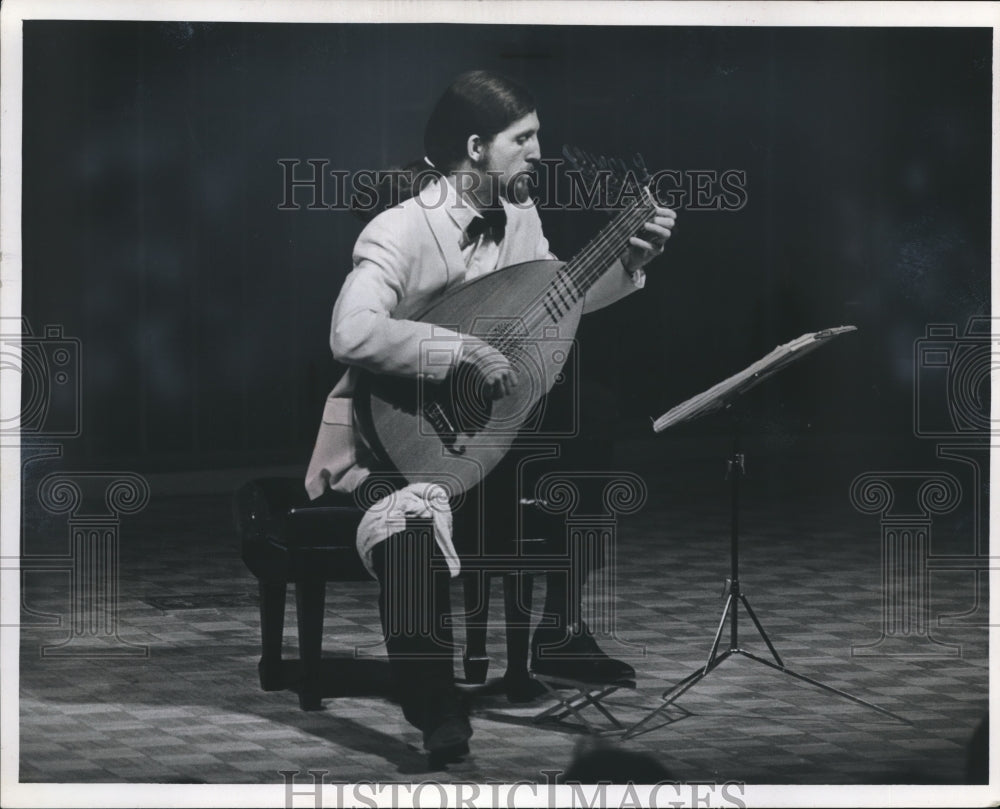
475	661
517	594
309	603
272	628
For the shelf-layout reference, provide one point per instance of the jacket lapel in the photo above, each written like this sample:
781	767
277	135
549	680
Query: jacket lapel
443	228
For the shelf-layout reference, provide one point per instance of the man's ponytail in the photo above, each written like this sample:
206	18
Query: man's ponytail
478	102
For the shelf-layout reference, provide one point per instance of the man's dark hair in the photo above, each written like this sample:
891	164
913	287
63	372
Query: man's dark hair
478	102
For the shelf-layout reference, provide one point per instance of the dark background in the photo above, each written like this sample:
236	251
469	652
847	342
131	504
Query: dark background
152	232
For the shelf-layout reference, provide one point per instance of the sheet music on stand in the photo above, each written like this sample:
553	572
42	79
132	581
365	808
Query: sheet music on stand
720	395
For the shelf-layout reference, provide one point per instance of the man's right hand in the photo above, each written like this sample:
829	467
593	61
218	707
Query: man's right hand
493	370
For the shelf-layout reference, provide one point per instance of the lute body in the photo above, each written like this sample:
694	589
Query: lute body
425	429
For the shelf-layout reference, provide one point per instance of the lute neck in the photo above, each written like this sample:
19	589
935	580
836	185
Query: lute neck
593	260
571	283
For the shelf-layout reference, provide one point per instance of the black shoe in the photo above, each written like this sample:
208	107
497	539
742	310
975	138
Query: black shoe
437	759
573	654
521	688
446	729
452	731
448	741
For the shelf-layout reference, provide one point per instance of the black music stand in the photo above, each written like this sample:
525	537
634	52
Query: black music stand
721	396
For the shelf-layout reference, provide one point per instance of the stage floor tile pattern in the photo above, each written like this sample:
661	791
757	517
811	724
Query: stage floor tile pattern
191	711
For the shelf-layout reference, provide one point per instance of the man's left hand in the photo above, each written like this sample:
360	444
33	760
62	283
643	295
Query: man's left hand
649	242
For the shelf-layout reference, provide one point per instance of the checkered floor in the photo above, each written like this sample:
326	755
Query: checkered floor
175	698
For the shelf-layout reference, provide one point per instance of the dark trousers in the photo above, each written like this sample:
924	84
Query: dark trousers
414	602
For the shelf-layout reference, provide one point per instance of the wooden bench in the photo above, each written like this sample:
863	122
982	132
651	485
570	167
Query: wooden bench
286	538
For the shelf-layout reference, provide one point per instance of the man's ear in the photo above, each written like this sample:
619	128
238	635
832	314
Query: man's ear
475	149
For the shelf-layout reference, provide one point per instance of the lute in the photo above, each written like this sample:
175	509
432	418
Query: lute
530	313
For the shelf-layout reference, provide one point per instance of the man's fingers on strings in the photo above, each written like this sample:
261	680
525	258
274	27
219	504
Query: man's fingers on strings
658	229
635	241
664	216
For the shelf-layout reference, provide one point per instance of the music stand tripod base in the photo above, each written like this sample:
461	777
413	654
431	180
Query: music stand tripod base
722	395
671	694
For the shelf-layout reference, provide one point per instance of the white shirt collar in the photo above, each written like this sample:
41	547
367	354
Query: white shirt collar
460	211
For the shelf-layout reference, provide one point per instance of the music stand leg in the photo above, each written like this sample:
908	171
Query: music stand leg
760	629
824	686
736	468
718	634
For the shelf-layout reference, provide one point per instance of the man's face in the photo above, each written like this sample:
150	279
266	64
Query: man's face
512	153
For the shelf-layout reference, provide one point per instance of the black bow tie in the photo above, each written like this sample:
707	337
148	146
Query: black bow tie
493	223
